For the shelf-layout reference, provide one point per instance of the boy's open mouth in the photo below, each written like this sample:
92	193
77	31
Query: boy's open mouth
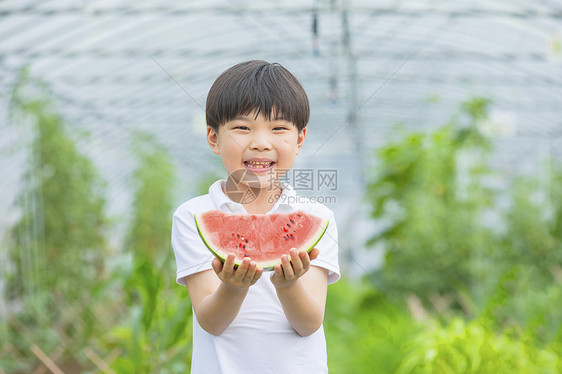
259	165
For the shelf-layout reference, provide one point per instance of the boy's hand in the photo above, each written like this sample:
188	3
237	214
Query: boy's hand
243	277
289	271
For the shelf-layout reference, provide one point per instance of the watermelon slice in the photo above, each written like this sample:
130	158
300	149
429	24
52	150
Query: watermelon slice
262	237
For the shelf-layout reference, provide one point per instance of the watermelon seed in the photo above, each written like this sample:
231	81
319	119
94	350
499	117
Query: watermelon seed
246	240
292	237
244	246
246	255
292	221
237	235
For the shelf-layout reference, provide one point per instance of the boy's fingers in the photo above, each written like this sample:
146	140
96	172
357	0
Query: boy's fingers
278	272
257	275
305	260
287	267
217	265
296	260
251	272
242	270
228	267
313	253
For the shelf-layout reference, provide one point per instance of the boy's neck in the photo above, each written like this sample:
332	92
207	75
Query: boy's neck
264	201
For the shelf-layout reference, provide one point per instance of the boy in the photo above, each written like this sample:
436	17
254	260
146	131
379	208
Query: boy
246	321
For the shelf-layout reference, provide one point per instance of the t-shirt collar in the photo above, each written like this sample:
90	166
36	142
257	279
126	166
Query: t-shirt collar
287	198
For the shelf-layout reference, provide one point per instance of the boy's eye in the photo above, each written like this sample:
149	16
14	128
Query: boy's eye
241	127
280	128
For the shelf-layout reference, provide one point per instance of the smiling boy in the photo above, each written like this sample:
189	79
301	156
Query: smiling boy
246	321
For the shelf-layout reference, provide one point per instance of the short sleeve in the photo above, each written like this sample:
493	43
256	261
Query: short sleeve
328	251
192	256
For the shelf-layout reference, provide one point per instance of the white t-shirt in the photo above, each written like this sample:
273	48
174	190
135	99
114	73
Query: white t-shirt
260	339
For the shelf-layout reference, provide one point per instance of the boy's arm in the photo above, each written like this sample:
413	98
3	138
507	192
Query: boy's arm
301	289
217	298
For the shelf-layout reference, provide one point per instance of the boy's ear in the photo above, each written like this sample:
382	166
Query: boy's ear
213	140
300	139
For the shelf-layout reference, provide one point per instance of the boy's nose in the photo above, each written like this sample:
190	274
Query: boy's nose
260	142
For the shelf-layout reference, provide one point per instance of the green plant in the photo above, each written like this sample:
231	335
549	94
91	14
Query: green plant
530	259
431	207
57	249
149	232
365	330
59	241
155	333
474	347
430	194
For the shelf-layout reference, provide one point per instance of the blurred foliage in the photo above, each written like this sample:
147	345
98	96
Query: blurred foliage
156	333
528	257
432	224
365	331
131	309
59	241
368	332
151	221
204	183
57	249
473	347
431	195
534	222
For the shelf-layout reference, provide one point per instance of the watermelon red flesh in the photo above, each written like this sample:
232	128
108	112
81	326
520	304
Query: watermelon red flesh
262	237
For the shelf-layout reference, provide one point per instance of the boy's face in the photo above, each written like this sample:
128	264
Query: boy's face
266	148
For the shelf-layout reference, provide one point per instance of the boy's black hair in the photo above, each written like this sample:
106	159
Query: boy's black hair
267	88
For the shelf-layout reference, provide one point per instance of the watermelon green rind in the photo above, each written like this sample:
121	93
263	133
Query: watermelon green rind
217	254
266	266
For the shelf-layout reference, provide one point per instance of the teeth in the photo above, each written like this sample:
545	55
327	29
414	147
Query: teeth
259	164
